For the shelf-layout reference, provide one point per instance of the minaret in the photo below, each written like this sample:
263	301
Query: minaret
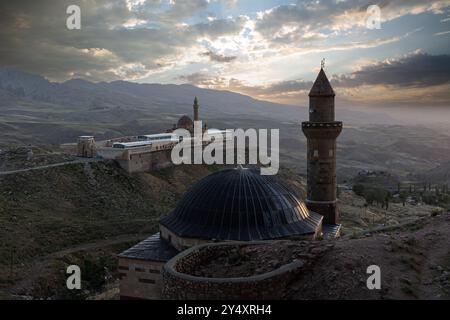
196	109
321	132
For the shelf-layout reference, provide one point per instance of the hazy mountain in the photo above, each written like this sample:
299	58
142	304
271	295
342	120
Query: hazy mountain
72	93
16	86
129	95
440	174
24	84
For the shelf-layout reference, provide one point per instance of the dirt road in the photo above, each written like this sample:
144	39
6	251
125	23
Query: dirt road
87	160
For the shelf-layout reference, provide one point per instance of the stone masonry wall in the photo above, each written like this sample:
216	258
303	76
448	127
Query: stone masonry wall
146	161
140	279
179	285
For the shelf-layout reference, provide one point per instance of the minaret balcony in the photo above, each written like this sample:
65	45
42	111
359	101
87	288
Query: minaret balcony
322	130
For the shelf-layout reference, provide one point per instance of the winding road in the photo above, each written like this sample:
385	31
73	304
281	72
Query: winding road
85	160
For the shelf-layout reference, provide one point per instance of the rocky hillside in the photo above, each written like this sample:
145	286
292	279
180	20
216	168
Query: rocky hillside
414	262
414	259
86	213
43	212
16	158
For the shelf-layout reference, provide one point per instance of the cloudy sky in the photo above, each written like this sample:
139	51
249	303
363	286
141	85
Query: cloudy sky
269	49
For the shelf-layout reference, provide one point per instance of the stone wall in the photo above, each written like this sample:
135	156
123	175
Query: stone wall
137	162
140	279
179	285
161	159
145	161
177	242
86	147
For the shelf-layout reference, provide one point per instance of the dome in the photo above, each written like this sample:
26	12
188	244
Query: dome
185	122
240	204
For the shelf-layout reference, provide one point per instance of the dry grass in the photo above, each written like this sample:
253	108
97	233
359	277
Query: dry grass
356	218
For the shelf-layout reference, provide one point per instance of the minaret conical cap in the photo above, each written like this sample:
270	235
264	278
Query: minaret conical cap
322	86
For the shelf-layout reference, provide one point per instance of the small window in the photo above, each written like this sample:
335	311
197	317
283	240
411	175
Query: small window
123	268
154	271
331	153
147	281
316	153
137	269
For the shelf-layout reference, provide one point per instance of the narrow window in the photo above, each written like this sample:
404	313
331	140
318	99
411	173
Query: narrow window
147	281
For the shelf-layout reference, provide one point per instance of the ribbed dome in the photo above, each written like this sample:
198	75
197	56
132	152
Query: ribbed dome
185	122
240	204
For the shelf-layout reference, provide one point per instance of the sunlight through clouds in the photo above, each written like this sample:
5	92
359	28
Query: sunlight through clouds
246	46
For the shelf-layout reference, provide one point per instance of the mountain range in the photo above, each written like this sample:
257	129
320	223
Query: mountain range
21	88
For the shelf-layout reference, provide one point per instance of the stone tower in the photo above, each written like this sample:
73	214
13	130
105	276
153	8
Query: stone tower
321	132
196	118
86	147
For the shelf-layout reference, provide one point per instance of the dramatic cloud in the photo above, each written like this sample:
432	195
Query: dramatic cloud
319	19
257	48
417	76
268	92
34	37
218	57
204	80
415	70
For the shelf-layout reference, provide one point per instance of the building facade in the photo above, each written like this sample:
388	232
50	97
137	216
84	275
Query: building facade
139	153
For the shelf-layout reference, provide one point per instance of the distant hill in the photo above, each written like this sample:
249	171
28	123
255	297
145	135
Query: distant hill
19	85
439	174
